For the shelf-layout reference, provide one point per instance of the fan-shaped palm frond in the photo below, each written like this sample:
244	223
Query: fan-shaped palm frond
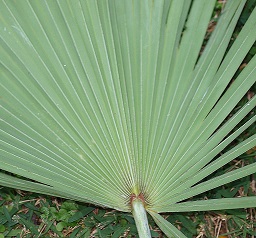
108	102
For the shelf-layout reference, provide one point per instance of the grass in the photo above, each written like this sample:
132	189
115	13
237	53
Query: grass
24	214
31	215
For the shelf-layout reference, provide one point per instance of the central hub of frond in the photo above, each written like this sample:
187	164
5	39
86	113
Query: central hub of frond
140	197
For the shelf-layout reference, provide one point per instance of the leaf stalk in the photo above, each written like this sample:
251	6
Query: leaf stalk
140	216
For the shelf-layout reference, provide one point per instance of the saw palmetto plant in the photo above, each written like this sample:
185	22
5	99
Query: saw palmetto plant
115	103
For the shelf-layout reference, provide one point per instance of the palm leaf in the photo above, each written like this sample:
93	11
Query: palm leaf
113	103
